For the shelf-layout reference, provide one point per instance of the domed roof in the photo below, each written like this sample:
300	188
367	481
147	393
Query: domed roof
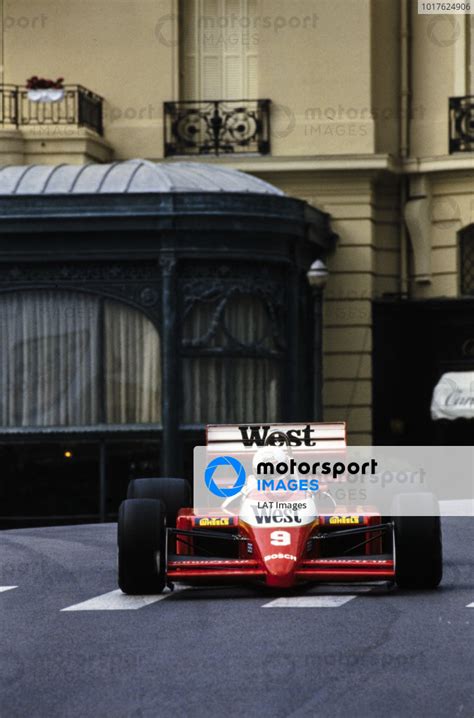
130	176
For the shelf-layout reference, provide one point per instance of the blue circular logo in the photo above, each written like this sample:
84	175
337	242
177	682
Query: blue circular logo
225	461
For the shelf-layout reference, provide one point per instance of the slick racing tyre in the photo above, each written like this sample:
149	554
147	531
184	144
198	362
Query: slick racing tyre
174	493
417	542
141	546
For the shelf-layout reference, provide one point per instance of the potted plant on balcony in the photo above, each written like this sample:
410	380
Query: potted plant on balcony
41	90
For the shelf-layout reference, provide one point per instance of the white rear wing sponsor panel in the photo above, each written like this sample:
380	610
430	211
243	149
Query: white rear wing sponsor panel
303	437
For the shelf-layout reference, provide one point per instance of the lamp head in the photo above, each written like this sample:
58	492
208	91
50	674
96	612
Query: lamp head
317	275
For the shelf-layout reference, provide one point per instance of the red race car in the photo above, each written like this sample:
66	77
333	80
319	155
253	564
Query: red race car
275	541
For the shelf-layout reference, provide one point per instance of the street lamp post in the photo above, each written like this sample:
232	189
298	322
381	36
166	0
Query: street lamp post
317	278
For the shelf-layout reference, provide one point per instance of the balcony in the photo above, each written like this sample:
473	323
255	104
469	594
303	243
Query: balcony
79	107
217	127
461	124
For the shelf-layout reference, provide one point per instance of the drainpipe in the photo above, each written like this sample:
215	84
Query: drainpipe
404	135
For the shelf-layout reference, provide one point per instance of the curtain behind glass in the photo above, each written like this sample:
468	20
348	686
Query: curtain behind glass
132	370
230	389
247	320
49	359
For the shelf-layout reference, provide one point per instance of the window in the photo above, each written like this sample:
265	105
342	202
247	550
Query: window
231	367
218	49
73	359
467	260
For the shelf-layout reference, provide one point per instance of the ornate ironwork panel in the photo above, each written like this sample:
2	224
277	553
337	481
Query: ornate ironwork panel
233	310
217	127
461	124
79	107
136	283
89	110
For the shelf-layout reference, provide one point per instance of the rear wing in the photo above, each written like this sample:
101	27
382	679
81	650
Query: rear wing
247	438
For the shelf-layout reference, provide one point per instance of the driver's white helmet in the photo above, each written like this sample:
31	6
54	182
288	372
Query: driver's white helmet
274	454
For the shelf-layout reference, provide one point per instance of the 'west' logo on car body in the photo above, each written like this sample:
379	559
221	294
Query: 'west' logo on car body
275	516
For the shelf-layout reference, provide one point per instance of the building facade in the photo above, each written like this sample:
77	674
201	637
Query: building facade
361	108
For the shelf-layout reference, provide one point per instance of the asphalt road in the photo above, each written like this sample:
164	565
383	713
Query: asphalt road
212	652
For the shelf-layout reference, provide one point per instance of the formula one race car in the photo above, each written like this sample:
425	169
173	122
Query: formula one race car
280	544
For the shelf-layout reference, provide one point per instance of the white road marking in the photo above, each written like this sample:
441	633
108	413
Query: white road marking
323	596
309	602
470	605
7	588
118	601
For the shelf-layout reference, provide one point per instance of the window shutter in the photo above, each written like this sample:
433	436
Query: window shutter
251	37
470	54
218	50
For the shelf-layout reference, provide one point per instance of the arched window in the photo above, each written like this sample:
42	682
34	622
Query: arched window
467	260
73	359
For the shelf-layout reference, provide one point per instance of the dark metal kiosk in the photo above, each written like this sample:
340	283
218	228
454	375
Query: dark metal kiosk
138	302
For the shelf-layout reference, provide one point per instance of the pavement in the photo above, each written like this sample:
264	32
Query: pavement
327	651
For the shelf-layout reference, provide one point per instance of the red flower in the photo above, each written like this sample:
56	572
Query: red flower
40	83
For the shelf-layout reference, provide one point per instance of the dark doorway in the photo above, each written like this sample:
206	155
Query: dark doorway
414	343
48	482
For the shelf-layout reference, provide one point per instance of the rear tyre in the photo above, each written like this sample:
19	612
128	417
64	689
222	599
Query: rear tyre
417	543
141	546
174	493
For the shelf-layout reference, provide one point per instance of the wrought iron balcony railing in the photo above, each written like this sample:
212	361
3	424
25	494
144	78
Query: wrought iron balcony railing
78	106
461	124
217	127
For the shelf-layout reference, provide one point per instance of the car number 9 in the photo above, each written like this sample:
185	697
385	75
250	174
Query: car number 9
280	538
